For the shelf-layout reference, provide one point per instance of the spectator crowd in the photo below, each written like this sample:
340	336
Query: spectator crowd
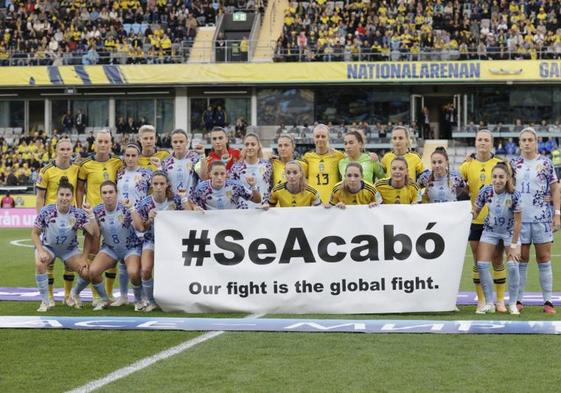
379	30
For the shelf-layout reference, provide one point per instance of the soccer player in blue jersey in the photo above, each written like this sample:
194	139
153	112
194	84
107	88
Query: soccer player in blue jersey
220	193
133	184
144	214
502	223
440	183
119	243
538	185
180	165
55	235
253	165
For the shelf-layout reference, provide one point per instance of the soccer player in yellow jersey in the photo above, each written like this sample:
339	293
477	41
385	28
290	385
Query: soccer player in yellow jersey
294	191
353	190
285	147
147	138
477	173
94	171
398	189
323	164
47	185
401	147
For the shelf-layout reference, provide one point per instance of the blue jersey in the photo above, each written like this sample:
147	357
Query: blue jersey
133	185
234	195
144	206
533	181
502	207
261	171
181	172
58	229
441	189
116	228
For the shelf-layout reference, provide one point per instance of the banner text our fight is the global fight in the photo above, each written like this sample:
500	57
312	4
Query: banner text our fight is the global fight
312	260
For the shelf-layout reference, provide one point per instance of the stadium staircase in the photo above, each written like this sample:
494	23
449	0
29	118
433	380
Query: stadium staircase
201	52
271	29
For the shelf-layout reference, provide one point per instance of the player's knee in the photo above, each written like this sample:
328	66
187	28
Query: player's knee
146	274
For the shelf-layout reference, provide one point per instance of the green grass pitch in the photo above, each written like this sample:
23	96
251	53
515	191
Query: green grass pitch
54	361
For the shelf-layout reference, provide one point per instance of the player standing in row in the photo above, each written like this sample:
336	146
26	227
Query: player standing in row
285	148
476	172
219	192
401	147
253	165
133	184
503	223
94	171
47	186
144	214
294	191
398	188
353	190
119	243
150	156
323	164
180	165
354	150
441	184
536	180
220	149
54	235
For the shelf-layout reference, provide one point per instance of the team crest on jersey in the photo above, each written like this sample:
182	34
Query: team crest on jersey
539	168
321	166
137	178
105	176
71	221
188	165
482	177
508	202
229	195
121	219
262	171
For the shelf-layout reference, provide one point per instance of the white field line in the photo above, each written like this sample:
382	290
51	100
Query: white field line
148	361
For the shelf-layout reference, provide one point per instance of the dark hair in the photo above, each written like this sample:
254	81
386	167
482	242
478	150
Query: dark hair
179	131
401	159
64	183
134	146
357	135
108	183
169	191
442	151
354	165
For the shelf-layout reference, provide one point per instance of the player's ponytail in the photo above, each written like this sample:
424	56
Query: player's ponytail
63	183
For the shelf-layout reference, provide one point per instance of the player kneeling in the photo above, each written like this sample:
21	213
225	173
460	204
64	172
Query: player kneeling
119	243
55	235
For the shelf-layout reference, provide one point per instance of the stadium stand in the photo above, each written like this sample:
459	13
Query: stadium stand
397	30
73	32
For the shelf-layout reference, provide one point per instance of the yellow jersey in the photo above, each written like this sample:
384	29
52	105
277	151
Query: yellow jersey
93	173
144	161
278	171
478	174
365	196
49	177
415	164
284	198
407	195
323	171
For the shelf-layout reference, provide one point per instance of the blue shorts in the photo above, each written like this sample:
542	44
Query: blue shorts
65	255
148	245
495	238
536	232
121	256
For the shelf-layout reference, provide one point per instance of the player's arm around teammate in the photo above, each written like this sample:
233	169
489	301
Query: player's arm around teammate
503	223
55	235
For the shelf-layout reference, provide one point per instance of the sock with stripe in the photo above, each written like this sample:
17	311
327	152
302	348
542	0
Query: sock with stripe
68	281
477	283
51	275
499	279
523	275
110	275
123	279
148	288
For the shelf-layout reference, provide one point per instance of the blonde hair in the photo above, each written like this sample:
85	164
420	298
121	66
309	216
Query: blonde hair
146	128
407	134
302	183
254	135
401	159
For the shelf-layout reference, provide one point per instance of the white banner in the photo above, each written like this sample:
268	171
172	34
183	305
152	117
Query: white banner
389	259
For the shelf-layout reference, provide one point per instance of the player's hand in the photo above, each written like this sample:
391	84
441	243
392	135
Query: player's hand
340	205
156	162
87	208
373	204
44	256
374	156
547	198
469	157
514	253
251	180
264	207
126	203
197	208
152	215
199	149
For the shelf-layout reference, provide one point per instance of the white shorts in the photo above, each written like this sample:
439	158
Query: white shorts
65	255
